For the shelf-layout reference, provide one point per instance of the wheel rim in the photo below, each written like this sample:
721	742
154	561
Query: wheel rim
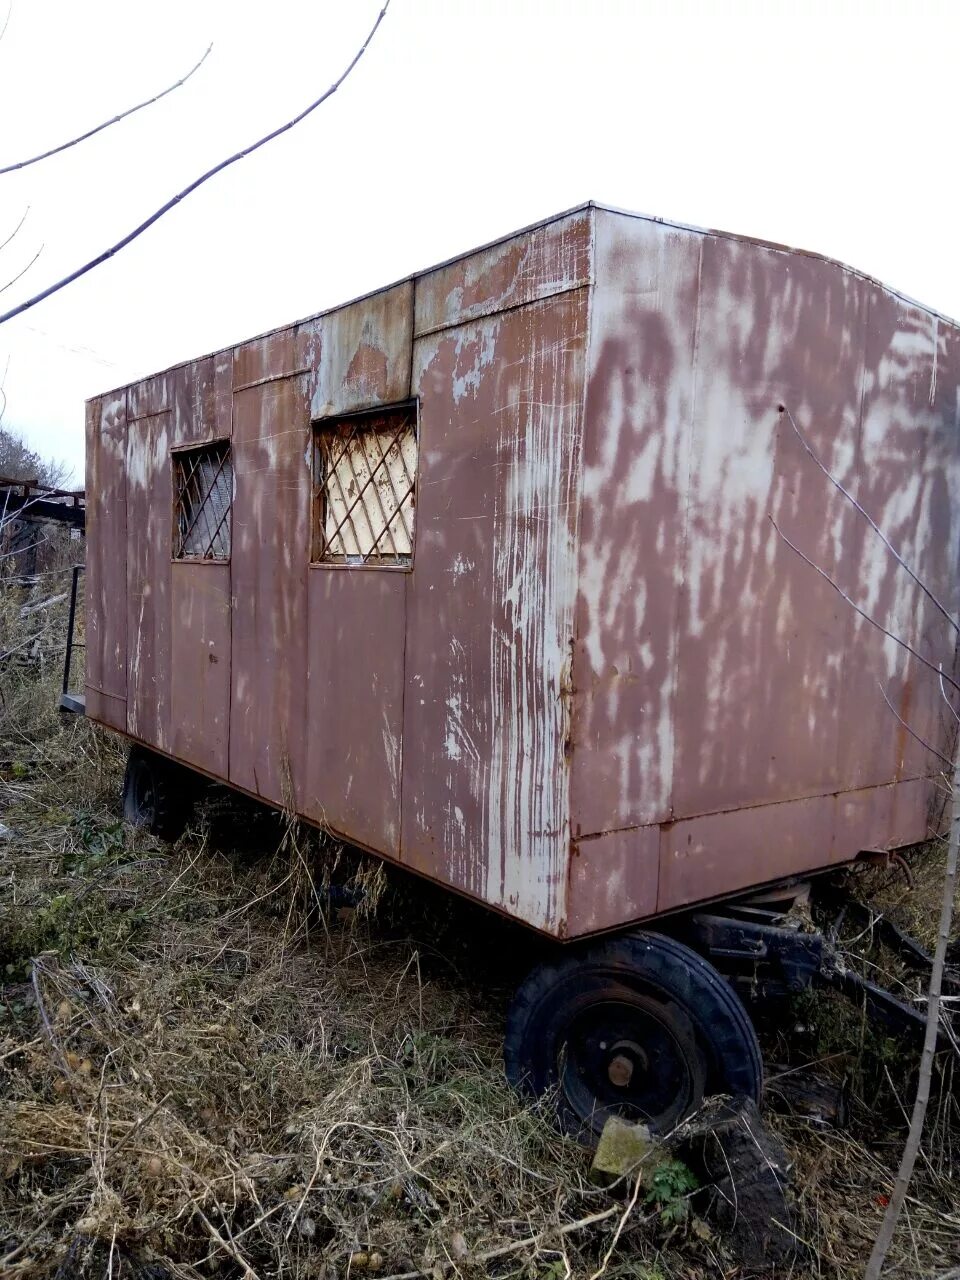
631	1055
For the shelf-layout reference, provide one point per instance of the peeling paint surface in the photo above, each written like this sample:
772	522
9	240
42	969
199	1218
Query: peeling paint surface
719	679
106	574
602	686
486	806
271	527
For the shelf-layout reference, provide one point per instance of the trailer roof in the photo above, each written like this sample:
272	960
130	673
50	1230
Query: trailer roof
770	245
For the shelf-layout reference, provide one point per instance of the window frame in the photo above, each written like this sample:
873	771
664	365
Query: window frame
317	426
176	453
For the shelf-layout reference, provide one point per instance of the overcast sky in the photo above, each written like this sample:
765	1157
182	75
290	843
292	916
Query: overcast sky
831	126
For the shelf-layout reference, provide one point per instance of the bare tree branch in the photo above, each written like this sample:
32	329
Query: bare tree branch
16	228
912	1145
911	1148
65	146
937	668
4	287
197	182
943	694
870	521
913	734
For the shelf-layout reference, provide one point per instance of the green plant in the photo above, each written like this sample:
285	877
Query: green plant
99	842
671	1184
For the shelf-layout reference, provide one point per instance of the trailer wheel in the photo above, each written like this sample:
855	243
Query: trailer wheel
158	795
639	1026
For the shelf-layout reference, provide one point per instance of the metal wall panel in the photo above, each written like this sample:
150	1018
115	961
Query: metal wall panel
717	673
354	703
722	853
271	541
361	353
490	606
106	585
760	634
537	264
361	357
276	355
149	521
908	478
613	878
640	399
199	671
172	409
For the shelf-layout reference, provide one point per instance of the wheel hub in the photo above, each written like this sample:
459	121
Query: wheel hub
625	1059
633	1056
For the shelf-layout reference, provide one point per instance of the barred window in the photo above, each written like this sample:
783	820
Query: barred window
364	487
203	495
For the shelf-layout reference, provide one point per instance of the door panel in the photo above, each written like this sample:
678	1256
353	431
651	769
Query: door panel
271	540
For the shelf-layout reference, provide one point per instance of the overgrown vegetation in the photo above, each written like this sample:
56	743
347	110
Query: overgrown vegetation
211	1065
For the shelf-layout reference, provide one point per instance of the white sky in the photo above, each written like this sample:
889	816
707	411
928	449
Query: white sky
830	125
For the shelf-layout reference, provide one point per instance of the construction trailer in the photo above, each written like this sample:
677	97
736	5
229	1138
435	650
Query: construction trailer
527	573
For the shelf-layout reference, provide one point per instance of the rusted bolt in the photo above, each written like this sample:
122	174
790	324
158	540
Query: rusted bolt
620	1071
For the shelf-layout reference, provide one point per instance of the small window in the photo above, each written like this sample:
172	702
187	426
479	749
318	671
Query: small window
364	487
203	489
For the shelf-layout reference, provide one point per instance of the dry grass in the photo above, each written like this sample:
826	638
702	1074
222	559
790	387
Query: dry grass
208	1069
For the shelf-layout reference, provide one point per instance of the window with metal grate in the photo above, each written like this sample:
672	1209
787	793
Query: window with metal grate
364	488
203	496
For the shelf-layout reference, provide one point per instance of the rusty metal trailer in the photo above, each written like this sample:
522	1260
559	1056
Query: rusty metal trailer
527	574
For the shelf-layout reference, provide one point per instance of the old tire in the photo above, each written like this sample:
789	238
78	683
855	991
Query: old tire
639	1026
158	795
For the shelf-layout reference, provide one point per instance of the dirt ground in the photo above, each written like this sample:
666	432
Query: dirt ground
211	1066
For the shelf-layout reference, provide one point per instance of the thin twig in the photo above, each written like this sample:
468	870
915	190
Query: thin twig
943	693
22	272
13	233
197	182
232	1250
620	1225
923	742
144	1120
856	608
65	146
527	1243
35	969
871	522
912	1146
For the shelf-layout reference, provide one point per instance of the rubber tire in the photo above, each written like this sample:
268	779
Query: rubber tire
158	795
655	967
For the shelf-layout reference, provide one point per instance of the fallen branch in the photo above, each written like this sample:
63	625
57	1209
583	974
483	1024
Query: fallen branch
232	1250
